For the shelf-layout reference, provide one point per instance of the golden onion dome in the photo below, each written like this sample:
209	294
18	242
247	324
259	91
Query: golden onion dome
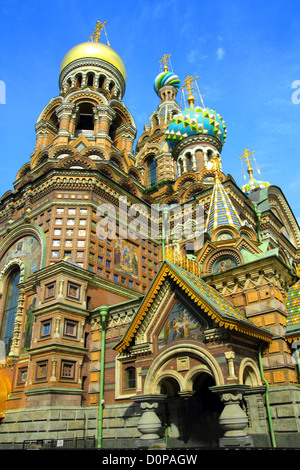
95	50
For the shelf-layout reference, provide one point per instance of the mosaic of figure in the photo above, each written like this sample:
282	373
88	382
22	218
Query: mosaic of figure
28	323
179	325
126	258
27	248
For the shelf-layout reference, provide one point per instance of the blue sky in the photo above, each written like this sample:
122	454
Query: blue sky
245	53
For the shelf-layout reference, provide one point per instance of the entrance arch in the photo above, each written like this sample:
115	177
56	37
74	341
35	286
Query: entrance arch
159	367
184	374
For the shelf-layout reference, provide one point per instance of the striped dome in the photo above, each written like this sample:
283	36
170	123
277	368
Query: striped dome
166	78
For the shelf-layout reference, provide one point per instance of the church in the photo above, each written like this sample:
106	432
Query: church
146	299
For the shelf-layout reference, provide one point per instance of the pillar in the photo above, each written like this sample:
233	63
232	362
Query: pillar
149	424
233	419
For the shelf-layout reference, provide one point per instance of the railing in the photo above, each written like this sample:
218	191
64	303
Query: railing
189	265
73	443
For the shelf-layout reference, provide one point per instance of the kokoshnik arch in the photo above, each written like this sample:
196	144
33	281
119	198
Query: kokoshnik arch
187	338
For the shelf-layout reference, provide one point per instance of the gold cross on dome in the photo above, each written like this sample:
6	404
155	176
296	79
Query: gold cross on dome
245	157
97	33
187	84
164	60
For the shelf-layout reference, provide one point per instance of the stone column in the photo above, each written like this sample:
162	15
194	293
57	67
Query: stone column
103	117
233	418
64	113
149	424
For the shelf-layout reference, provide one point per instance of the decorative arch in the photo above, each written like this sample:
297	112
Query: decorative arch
183	179
208	177
135	174
124	114
62	151
94	153
15	236
105	170
6	194
11	318
148	199
23	170
78	160
207	363
222	254
150	148
284	211
128	185
170	200
8	269
195	188
88	97
40	158
49	109
249	373
117	160
46	168
226	229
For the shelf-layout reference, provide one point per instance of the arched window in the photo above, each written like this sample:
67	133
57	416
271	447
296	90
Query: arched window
152	178
10	309
189	162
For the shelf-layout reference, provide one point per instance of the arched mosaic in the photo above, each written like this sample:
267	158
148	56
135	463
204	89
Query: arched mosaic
27	249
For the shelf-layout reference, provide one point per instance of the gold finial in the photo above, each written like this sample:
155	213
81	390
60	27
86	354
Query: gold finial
97	33
215	163
245	157
164	60
187	84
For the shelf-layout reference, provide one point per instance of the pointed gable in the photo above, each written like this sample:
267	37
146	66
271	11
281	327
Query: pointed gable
204	296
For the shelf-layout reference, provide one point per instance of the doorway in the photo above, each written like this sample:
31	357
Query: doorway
192	418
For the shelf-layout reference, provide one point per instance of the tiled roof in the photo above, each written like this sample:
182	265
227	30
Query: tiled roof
225	308
293	309
206	297
221	210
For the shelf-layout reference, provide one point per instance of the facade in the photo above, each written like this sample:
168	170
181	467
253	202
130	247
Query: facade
146	299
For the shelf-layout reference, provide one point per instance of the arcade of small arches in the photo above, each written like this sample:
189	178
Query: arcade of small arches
195	159
91	79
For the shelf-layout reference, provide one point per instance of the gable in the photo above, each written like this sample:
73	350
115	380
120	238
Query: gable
206	300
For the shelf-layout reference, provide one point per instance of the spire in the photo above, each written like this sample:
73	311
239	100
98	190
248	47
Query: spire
221	210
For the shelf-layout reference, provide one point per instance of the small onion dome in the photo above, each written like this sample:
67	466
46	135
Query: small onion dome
196	121
253	185
164	79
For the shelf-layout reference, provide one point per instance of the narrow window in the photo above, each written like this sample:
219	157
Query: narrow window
10	310
130	378
152	178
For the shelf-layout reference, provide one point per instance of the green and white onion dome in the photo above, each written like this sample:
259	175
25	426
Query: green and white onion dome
195	121
164	79
254	185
